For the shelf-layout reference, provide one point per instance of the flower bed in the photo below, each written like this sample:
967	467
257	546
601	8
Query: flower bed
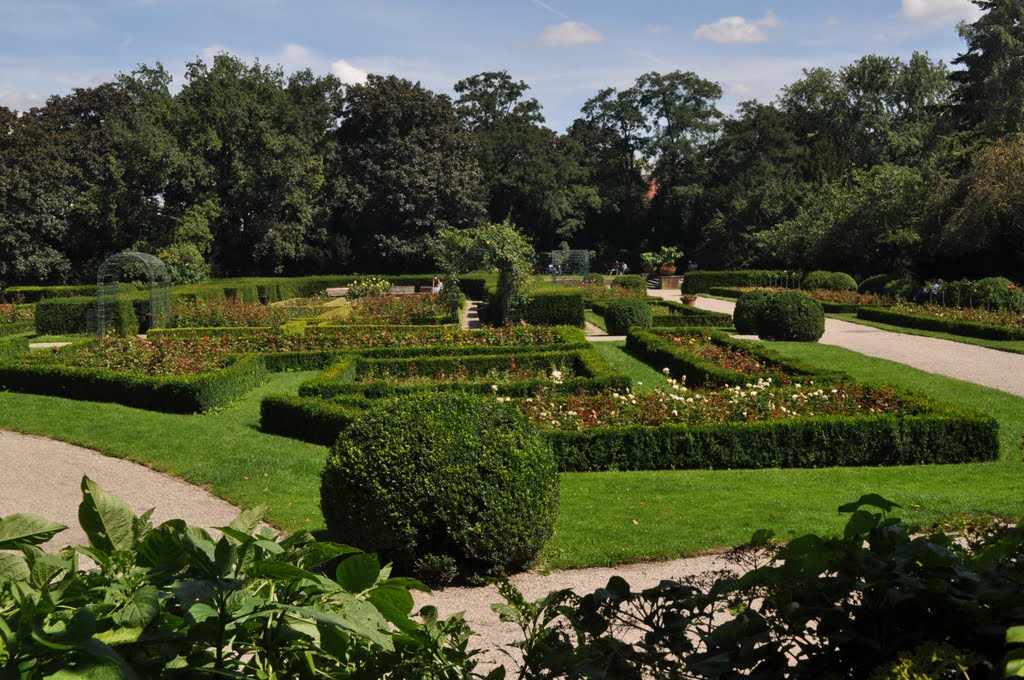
379	310
709	357
507	374
157	357
833	301
666	313
761	400
402	340
971	322
15	313
233	313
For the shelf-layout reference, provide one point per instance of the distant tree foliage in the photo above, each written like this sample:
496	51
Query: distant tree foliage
884	165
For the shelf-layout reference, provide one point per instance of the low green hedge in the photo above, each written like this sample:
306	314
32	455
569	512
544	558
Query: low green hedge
171	394
30	294
15	328
654	348
64	316
313	420
938	436
592	374
631	281
554	308
704	281
927	322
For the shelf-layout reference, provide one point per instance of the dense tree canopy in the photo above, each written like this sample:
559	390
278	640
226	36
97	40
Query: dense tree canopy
882	165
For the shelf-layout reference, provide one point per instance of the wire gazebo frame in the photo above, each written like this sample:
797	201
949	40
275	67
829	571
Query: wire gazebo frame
568	263
108	287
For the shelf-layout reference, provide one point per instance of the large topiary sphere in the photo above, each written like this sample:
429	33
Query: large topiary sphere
622	314
874	284
748	309
821	280
442	478
790	315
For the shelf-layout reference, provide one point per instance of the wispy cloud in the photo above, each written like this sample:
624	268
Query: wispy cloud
938	12
348	73
833	21
570	34
658	28
738	29
548	8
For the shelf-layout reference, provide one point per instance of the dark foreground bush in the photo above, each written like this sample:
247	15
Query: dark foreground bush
879	601
790	315
621	315
447	483
748	309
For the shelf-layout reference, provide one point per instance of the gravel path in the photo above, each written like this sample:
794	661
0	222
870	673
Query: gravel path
980	365
43	477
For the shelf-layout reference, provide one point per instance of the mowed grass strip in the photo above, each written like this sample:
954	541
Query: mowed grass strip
222	451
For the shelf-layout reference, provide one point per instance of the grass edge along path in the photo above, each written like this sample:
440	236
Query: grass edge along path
1014	346
606	518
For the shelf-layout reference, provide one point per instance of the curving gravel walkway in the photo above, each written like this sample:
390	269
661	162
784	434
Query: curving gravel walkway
43	477
980	365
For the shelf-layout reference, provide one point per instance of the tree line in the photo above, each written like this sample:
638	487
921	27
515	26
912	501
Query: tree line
882	166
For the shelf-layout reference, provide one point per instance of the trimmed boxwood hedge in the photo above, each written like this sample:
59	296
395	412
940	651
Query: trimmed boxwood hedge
31	294
939	436
668	313
318	421
631	281
64	316
621	315
791	315
171	394
593	374
704	281
13	344
654	348
927	322
554	308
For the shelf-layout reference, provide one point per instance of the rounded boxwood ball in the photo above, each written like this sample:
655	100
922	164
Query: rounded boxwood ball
620	315
442	477
790	315
748	309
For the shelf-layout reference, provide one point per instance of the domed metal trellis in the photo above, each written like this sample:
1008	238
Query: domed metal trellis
108	287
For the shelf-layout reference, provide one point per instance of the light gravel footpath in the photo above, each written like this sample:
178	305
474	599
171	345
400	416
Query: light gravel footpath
43	477
980	365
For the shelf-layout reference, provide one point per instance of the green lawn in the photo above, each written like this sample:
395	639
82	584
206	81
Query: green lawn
596	319
645	378
606	518
1016	346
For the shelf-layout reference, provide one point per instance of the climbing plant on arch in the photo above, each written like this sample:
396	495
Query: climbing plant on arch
108	287
500	246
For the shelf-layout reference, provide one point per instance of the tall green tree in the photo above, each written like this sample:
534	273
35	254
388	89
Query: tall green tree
989	88
408	169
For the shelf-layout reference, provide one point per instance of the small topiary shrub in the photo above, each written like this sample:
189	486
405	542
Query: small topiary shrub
901	289
790	315
821	280
621	315
748	309
874	284
441	477
631	281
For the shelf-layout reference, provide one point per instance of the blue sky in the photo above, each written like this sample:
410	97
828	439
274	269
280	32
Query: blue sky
565	49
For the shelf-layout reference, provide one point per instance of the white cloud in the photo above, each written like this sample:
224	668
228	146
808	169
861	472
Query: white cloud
833	21
348	73
738	29
22	101
570	34
880	37
658	28
937	12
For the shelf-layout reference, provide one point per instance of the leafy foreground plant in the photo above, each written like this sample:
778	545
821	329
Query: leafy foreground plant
171	601
876	603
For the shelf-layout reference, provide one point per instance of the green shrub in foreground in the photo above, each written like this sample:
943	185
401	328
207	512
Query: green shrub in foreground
631	281
789	315
171	601
747	311
874	284
621	315
447	482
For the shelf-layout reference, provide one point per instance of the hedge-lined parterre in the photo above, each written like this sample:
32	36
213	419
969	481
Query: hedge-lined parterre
910	317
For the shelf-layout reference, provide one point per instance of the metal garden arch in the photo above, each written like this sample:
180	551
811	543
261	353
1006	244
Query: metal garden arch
108	287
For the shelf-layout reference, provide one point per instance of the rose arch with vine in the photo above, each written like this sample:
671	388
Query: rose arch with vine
500	246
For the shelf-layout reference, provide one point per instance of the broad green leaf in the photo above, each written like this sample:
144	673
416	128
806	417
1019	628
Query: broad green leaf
358	572
860	523
395	604
872	499
119	636
141	609
107	671
24	529
280	570
1014	669
190	592
248	520
361	618
13	567
1015	635
108	521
